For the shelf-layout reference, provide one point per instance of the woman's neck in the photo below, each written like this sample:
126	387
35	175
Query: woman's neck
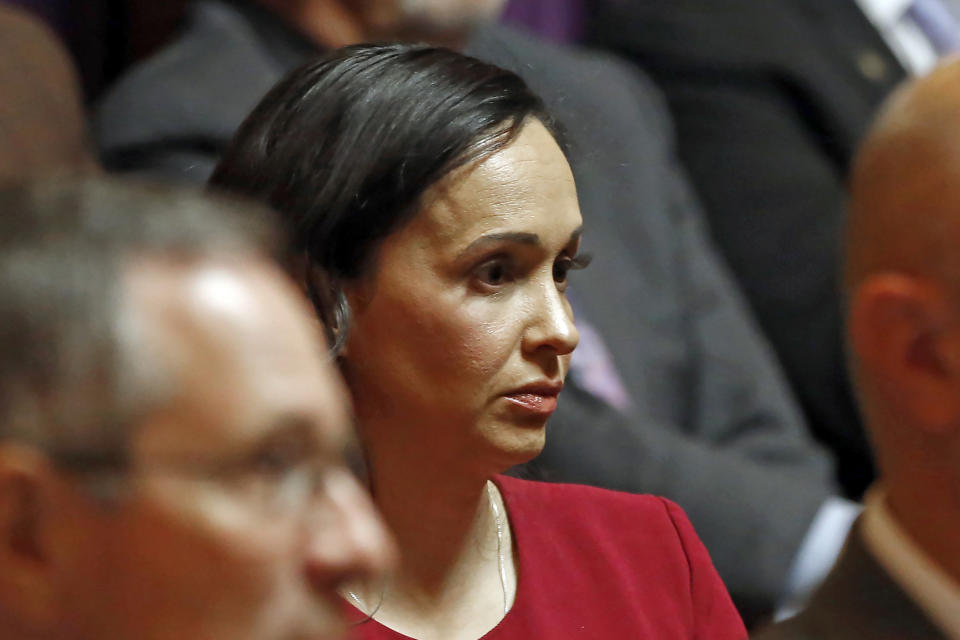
449	581
439	519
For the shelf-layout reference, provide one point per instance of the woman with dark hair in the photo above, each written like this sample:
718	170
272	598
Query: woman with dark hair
434	221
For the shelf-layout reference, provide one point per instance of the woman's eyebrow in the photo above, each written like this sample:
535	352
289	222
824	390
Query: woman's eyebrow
518	237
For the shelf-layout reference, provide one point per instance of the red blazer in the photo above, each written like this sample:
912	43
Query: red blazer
603	564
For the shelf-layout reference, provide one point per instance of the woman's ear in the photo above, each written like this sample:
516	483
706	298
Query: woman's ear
338	325
329	302
328	297
28	593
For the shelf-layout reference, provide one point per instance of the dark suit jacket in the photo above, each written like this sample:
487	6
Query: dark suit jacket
770	99
858	601
713	428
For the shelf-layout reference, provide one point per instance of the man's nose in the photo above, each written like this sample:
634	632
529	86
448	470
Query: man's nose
353	543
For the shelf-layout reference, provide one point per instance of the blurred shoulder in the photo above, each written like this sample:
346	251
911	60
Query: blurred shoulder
583	88
202	83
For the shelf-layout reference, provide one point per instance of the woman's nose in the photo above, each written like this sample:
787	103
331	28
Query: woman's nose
552	326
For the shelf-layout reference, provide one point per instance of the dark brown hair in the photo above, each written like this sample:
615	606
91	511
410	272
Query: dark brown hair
345	147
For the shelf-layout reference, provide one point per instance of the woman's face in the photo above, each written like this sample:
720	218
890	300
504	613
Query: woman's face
462	333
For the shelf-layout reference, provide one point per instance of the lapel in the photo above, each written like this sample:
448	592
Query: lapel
860	600
857	44
851	71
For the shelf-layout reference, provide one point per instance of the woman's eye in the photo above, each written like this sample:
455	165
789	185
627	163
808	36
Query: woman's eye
565	264
494	273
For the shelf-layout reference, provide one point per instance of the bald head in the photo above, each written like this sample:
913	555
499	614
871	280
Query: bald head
903	285
42	123
902	268
905	187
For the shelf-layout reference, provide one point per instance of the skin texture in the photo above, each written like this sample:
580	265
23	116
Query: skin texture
903	282
450	320
336	23
183	554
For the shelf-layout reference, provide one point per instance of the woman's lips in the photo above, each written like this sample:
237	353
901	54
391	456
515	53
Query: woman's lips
535	399
534	403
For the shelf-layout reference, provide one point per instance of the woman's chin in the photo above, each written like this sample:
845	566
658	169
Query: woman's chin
519	448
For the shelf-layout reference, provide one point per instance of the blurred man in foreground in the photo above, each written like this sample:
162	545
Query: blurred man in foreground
171	433
899	576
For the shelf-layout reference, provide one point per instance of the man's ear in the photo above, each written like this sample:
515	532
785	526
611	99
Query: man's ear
27	573
904	334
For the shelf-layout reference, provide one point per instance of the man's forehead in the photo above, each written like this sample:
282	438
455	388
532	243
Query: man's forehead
215	283
238	303
241	346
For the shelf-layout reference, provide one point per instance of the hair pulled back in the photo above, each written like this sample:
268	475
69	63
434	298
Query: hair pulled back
345	146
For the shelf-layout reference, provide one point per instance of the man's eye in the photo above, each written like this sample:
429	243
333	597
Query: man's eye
276	461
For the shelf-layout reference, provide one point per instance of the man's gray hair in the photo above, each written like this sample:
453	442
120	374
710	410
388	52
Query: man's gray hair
73	376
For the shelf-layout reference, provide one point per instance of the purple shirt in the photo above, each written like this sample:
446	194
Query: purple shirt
556	20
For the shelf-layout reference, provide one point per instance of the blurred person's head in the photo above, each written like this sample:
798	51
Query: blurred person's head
436	218
336	23
42	121
171	431
903	283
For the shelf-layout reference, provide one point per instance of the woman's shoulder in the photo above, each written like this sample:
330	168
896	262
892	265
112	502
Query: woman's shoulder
563	492
657	574
584	507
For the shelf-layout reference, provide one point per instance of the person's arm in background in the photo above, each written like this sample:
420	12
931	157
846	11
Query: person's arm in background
171	115
769	101
777	222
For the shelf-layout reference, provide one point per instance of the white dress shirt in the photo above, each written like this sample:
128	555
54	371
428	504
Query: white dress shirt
817	554
902	35
930	588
